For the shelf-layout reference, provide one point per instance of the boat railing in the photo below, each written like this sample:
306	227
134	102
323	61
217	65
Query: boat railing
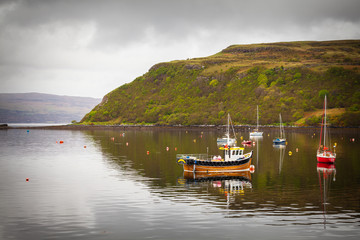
193	156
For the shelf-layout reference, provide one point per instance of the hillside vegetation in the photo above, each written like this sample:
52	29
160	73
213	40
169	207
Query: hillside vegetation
290	78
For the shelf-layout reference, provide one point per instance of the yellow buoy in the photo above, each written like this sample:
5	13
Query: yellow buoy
290	153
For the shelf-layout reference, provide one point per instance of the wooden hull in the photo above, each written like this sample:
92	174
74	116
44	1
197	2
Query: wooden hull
205	167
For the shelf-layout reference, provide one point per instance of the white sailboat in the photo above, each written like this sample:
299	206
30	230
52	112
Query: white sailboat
227	140
281	139
255	132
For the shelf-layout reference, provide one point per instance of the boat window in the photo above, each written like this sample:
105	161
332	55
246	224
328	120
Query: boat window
233	152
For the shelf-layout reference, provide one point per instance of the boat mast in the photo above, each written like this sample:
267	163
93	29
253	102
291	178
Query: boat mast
257	117
280	127
228	130
325	121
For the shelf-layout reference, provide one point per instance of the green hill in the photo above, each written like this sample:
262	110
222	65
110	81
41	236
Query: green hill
290	78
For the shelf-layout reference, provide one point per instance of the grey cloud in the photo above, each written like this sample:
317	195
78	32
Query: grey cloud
43	34
126	21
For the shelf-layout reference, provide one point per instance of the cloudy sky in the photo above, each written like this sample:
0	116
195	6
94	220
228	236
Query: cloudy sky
90	47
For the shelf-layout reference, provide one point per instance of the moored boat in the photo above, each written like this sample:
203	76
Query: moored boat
281	139
233	160
246	142
227	139
324	152
256	132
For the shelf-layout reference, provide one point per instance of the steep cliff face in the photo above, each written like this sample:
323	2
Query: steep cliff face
288	78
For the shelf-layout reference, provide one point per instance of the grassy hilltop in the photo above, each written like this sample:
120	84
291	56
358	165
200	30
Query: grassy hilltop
290	78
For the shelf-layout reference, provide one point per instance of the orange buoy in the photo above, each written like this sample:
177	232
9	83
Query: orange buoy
84	146
175	148
252	168
147	152
27	179
167	148
61	142
127	144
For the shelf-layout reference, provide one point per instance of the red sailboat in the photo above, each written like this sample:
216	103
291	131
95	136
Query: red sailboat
324	153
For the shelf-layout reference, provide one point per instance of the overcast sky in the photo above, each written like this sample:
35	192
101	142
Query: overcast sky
90	47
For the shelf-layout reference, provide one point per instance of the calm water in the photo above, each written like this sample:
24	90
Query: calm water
113	189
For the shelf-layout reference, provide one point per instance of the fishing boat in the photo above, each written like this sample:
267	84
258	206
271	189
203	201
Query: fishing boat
324	153
256	132
281	139
232	160
227	139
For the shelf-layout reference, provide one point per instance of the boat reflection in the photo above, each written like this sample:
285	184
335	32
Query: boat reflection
256	140
229	185
281	149
326	174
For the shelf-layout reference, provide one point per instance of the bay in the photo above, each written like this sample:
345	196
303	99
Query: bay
126	184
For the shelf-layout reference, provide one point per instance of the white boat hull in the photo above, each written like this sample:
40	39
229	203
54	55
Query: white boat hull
256	134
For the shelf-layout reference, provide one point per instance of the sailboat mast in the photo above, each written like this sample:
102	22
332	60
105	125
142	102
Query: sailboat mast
257	117
325	122
228	129
280	127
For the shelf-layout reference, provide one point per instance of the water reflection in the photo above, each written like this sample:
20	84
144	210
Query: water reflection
229	184
256	140
127	185
326	173
281	148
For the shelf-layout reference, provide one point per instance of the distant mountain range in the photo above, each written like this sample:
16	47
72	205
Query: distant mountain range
43	108
290	78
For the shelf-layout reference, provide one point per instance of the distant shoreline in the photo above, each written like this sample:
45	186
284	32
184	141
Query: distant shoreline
268	128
